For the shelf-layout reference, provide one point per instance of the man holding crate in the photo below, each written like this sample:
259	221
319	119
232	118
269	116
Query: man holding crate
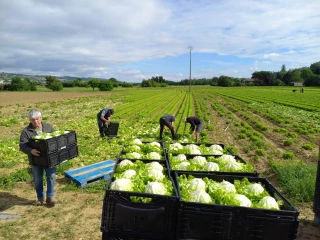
36	127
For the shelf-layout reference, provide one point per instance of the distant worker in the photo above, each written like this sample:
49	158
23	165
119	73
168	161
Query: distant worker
103	119
167	121
196	126
301	90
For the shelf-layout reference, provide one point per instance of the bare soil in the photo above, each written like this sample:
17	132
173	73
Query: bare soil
78	214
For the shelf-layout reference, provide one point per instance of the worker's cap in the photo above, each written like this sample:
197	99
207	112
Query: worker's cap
111	111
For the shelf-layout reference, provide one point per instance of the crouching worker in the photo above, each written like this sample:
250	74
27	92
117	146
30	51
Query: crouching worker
167	121
103	119
36	127
196	126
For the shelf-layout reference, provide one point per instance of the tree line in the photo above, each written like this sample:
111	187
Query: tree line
53	83
308	76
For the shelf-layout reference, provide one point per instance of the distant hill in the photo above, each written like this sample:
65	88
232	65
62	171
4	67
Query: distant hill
7	76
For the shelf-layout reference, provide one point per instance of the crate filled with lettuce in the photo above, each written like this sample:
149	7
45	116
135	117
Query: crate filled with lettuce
55	148
216	206
136	149
222	164
196	149
140	201
48	143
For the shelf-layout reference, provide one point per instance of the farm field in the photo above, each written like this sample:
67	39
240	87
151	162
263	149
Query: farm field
274	129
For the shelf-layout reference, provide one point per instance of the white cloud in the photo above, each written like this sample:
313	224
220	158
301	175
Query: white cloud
97	38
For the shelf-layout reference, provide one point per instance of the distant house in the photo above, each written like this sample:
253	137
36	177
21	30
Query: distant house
1	81
297	84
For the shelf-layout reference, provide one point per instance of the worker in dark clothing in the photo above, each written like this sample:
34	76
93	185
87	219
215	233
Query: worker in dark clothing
167	121
103	119
196	126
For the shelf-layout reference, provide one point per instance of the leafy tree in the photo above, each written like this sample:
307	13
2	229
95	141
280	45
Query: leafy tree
224	81
26	84
263	77
292	76
16	84
50	80
56	86
68	84
278	82
53	83
77	82
93	83
33	86
114	82
315	67
283	68
313	80
127	85
305	73
105	85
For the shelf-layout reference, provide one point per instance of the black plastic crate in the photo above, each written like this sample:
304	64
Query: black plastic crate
54	144
190	156
112	129
70	137
214	221
56	158
124	219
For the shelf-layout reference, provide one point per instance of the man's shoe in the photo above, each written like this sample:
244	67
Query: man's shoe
40	200
51	201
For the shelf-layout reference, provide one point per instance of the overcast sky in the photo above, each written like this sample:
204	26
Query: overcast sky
132	40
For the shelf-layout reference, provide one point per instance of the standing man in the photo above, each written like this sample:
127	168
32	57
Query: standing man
36	127
103	119
196	126
167	121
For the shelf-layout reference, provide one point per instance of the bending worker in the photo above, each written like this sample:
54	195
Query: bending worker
196	126
167	121
103	119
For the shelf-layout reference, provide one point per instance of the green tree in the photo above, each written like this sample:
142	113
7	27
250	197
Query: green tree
53	83
315	67
26	84
33	86
93	83
56	86
224	81
263	77
16	84
77	82
313	80
114	82
105	85
305	73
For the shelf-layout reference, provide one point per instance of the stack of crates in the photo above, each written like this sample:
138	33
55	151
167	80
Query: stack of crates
171	217
223	222
55	150
123	218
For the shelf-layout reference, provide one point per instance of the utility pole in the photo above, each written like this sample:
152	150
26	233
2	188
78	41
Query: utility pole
190	47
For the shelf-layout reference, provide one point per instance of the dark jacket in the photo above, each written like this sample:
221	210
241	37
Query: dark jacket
194	121
27	133
169	118
105	113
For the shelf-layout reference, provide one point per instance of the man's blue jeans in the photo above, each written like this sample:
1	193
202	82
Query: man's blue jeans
37	173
